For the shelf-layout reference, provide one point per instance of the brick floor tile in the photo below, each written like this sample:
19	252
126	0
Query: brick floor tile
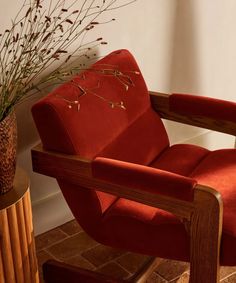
230	279
132	262
101	254
49	238
184	278
114	270
72	246
80	261
155	278
71	228
226	271
171	269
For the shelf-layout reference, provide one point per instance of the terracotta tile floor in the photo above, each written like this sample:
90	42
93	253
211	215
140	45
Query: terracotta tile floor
69	243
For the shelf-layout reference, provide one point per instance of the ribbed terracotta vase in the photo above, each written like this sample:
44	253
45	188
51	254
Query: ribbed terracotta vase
8	143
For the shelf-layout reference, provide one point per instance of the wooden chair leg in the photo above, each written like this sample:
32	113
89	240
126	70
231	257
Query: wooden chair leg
205	235
58	272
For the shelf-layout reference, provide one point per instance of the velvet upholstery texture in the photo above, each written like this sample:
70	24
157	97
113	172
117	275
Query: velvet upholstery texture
142	177
96	126
131	148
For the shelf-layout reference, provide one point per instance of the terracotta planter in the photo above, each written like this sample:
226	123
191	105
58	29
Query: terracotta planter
8	143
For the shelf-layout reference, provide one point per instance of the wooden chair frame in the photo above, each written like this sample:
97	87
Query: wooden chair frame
202	217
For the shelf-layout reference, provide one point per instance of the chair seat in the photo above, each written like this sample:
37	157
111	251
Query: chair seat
148	230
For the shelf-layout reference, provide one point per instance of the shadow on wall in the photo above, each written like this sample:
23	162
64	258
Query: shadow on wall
27	133
185	71
185	75
41	186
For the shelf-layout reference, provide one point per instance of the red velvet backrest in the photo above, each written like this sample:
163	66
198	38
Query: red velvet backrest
112	82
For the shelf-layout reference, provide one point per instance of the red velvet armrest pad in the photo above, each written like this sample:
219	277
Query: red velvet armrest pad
203	106
134	176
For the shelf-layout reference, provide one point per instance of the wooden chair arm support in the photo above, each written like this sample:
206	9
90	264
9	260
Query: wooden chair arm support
160	103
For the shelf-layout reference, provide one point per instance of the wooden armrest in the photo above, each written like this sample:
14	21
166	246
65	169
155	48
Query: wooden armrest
160	103
144	178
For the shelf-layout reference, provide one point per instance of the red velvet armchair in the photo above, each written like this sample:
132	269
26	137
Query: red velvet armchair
104	141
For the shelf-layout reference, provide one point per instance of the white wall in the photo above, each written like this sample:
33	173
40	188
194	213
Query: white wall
145	29
204	59
181	46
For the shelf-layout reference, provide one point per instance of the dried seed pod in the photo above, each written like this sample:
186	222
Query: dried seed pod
69	21
48	19
28	11
46	37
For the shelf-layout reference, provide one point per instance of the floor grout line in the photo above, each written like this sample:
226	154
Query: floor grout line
166	281
61	240
89	262
227	276
45	250
129	273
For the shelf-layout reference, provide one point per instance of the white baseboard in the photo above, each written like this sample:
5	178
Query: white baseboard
50	212
212	140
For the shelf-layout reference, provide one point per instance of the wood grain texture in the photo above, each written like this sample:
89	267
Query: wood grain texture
2	279
23	241
30	238
17	265
15	243
6	250
160	103
205	236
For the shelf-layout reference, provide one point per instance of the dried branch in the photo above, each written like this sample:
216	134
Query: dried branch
39	40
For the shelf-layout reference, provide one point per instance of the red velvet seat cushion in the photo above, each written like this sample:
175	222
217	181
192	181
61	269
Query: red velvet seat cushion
180	158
